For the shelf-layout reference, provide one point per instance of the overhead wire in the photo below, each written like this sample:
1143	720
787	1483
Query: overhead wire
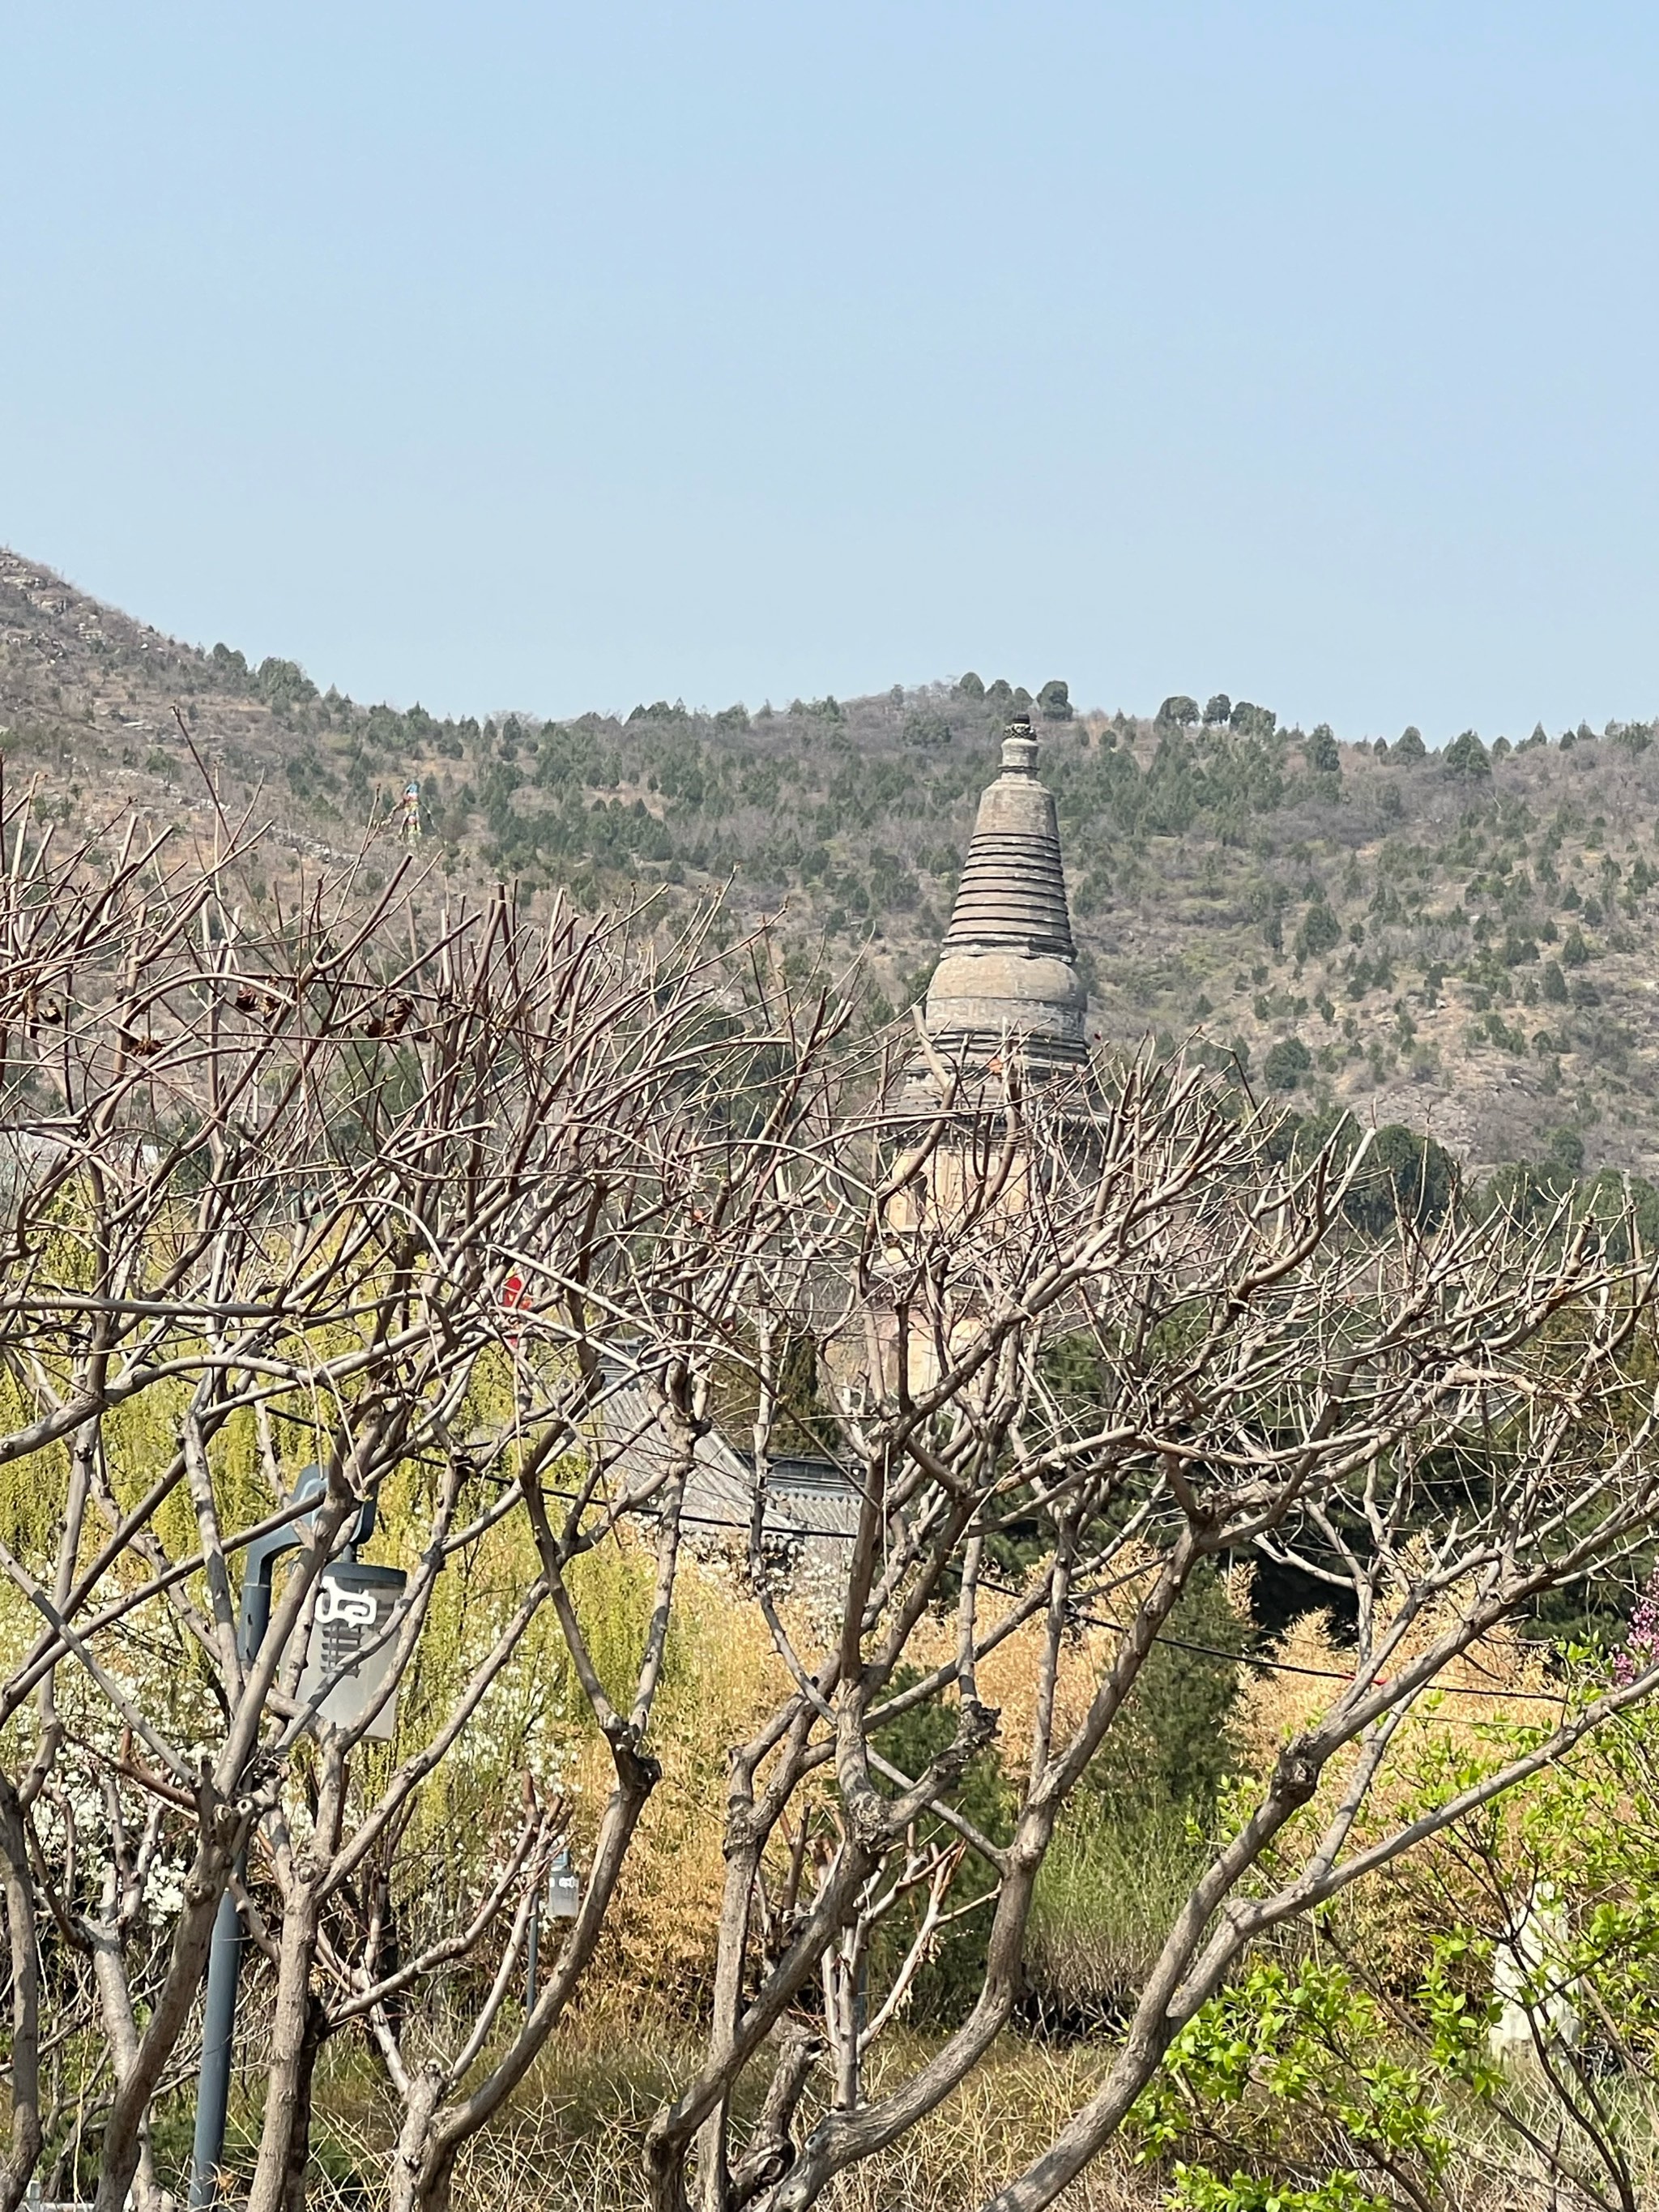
798	1534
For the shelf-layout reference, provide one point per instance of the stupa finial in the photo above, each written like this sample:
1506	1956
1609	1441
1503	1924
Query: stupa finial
1020	748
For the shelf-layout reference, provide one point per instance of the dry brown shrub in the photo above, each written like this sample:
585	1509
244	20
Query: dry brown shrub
1500	1684
723	1675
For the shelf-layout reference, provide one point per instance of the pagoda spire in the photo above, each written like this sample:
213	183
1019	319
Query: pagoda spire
1006	982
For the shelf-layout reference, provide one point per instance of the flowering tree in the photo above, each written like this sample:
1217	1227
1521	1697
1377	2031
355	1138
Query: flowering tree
1640	1648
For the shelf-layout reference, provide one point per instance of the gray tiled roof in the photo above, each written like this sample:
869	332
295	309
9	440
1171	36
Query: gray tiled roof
806	1499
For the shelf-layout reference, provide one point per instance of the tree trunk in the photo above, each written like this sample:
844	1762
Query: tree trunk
115	2002
714	2178
17	2168
299	2148
407	2195
285	2132
125	2131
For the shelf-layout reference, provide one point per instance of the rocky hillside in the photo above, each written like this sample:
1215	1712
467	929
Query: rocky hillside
1462	940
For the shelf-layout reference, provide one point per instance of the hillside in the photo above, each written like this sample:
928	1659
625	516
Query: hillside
1465	941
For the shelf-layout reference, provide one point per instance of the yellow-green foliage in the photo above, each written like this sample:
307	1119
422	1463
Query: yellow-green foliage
722	1675
719	1674
32	1488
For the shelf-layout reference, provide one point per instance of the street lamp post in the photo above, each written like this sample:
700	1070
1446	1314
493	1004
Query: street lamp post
225	1953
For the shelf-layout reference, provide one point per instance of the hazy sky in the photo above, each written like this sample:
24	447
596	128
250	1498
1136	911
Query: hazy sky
559	356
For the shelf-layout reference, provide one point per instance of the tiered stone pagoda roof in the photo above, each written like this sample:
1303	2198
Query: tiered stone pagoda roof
1007	981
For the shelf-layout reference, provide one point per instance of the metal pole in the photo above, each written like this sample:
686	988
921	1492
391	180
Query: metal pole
218	2033
225	1952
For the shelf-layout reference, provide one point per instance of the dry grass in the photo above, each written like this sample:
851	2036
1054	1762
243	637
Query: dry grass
1105	1903
574	2143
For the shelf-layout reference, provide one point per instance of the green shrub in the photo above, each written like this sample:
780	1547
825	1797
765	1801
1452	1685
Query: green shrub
1287	1062
1320	932
1466	755
1108	1891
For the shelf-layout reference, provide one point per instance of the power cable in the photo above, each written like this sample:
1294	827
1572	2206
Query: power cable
799	1534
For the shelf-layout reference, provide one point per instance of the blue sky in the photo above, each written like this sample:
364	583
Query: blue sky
554	357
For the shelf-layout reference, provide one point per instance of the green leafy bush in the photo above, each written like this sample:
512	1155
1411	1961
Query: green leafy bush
1287	1061
1320	931
1467	757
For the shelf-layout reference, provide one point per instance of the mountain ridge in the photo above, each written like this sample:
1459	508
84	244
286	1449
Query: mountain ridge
1463	941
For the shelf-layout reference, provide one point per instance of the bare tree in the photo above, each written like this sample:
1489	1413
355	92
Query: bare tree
488	1206
1458	1411
303	1185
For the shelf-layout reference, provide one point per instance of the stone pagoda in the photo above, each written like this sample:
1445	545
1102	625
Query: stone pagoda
1006	987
